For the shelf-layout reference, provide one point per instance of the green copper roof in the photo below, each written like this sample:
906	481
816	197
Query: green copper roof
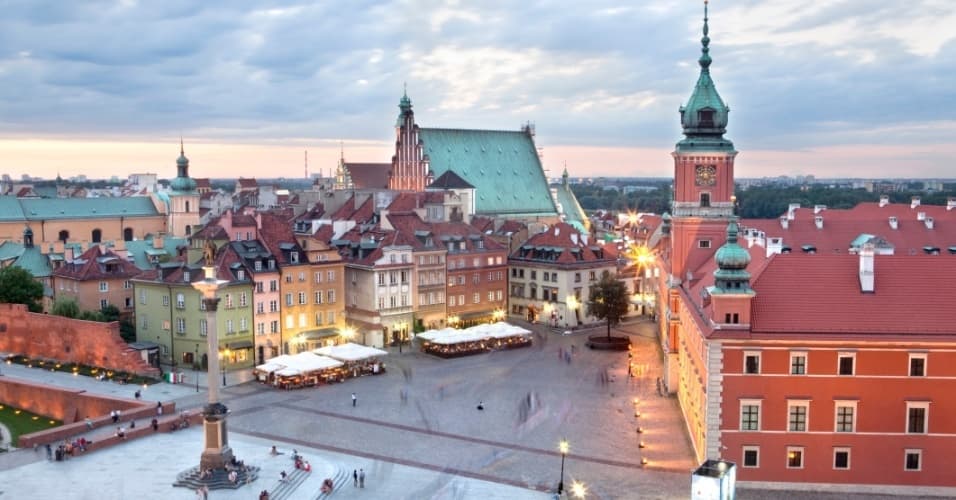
182	183
502	165
404	106
27	209
142	250
570	208
704	118
732	256
30	259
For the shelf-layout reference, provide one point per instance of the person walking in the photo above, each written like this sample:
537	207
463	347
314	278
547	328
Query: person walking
354	478
159	408
49	452
354	399
361	478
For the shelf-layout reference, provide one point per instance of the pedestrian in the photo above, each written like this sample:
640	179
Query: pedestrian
361	478
49	452
137	394
481	405
354	399
354	478
114	415
89	423
155	425
159	408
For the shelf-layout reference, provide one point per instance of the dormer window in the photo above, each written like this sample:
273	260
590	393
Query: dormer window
241	275
272	264
706	118
186	276
294	257
480	244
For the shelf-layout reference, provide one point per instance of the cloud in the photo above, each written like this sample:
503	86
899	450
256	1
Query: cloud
799	76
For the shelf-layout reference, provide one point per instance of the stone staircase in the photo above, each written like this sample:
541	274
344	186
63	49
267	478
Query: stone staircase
283	489
189	478
339	480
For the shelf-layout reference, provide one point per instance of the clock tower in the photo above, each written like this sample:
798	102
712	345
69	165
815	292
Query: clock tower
703	173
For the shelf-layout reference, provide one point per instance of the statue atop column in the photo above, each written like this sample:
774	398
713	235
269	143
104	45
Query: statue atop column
209	253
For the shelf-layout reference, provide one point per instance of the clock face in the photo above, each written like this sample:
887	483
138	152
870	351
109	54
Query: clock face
706	175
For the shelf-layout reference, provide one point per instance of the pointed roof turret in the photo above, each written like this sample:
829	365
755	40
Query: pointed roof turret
182	183
564	175
704	118
405	105
732	261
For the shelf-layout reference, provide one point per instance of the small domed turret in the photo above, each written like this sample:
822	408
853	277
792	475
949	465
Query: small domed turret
732	256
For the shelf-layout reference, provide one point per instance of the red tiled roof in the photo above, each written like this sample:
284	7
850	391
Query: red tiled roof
92	265
840	227
276	230
483	224
806	293
247	183
564	236
324	233
369	175
212	231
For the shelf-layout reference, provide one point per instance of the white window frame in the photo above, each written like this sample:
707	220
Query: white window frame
909	365
849	457
755	354
918	404
836	415
104	286
846	355
913	451
805	403
740	414
803	457
799	354
743	457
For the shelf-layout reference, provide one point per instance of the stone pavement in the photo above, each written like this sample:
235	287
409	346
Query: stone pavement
430	443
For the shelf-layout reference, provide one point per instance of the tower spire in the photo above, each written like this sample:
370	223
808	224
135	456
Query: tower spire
182	151
705	45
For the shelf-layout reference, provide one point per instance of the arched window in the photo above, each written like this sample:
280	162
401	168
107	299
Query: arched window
704	200
189	230
64	236
187	207
96	236
128	234
706	118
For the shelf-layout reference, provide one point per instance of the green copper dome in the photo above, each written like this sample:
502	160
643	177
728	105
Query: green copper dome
405	105
704	118
731	256
182	182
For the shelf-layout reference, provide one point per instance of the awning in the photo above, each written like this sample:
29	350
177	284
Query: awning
320	333
241	344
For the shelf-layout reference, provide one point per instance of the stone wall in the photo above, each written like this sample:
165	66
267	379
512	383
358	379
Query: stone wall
68	340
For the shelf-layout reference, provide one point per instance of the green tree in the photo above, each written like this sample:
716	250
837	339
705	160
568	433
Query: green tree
608	300
66	307
17	286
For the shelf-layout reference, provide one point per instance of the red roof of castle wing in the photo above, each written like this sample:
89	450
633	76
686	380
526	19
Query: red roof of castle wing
405	202
814	294
369	175
841	227
483	224
362	214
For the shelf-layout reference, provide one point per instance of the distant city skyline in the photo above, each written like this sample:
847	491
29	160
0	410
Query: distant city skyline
830	89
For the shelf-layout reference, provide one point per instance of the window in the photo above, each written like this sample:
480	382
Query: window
142	296
302	299
841	458
794	457
798	363
461	279
318	277
577	277
330	276
127	284
241	275
242	299
301	276
845	363
288	299
273	285
303	322
330	317
181	325
797	411
104	303
476	297
273	306
318	319
318	297
257	265
289	321
288	278
145	323
913	460
229	304
203	328
703	243
491	296
917	365
330	296
294	257
534	275
260	328
917	414
381	279
845	416
752	363
165	300
751	456
705	200
451	300
230	327
104	286
750	415
274	326
260	287
381	303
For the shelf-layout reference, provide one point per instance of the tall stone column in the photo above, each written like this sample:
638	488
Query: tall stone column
216	452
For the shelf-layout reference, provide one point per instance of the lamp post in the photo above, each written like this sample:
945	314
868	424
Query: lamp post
195	364
563	447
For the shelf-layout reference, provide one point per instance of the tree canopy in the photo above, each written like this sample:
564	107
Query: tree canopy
608	300
17	286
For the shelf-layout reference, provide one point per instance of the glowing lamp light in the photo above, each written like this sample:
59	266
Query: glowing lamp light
578	489
563	447
643	461
52	422
640	430
36	417
16	412
641	445
348	332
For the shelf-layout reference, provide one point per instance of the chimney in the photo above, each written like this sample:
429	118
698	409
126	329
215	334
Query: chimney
774	246
920	215
894	222
818	220
914	202
929	222
792	209
884	200
819	208
157	242
866	268
950	203
68	254
58	246
784	222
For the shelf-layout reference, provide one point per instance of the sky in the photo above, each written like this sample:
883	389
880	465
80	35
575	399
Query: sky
832	88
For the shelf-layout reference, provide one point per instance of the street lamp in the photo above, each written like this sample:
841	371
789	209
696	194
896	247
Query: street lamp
225	358
348	333
195	364
563	447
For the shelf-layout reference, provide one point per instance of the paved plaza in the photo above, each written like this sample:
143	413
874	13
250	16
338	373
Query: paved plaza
416	431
